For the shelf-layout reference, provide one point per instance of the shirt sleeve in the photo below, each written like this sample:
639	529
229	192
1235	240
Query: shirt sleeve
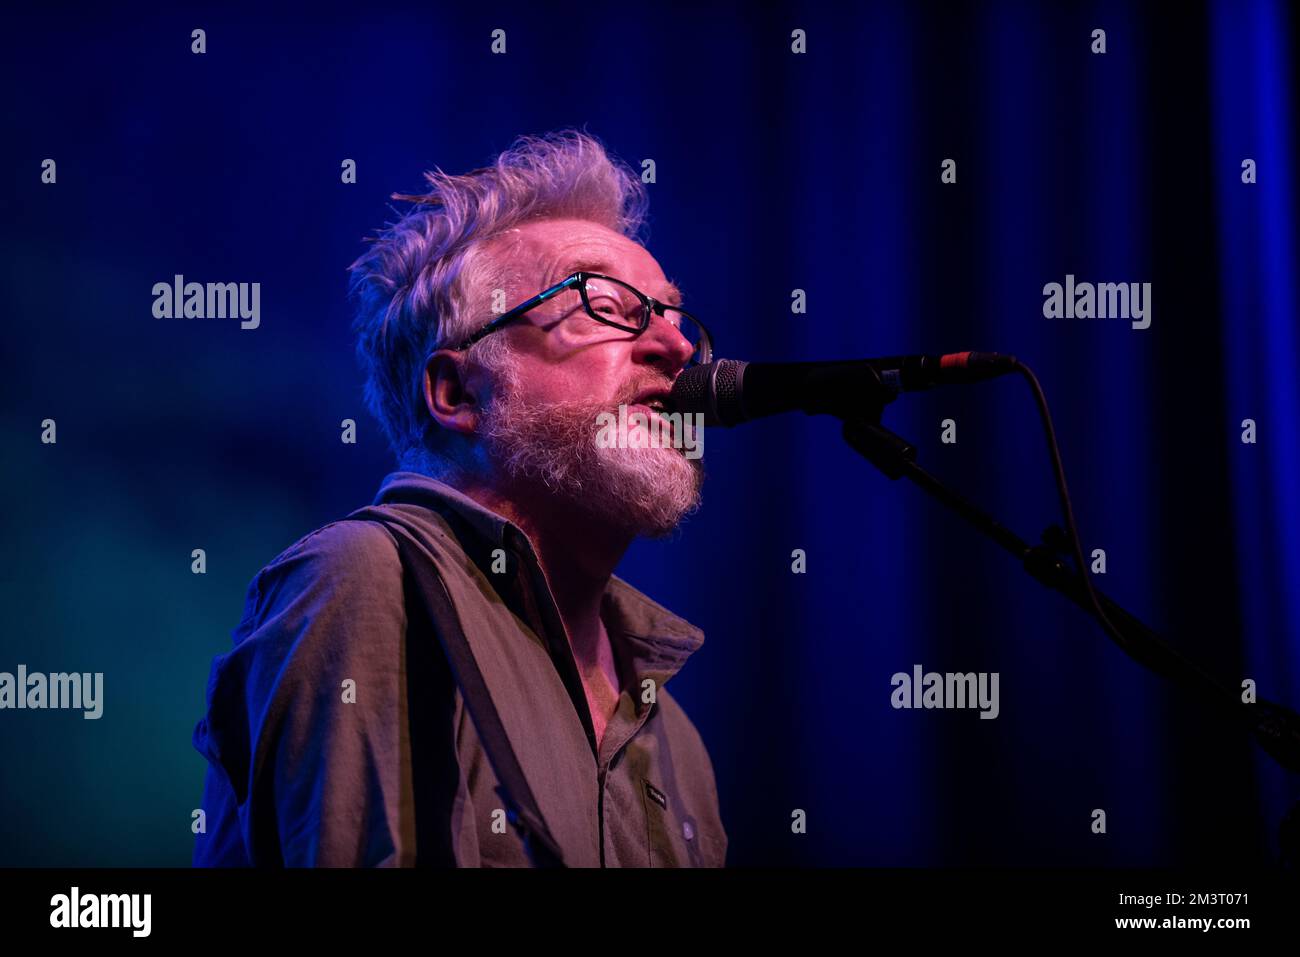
324	674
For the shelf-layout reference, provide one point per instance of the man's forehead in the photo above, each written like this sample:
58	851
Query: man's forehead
565	266
559	250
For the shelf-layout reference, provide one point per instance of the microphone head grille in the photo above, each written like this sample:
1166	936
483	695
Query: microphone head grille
728	397
691	390
714	390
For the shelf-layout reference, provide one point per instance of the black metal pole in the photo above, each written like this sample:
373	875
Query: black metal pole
1275	727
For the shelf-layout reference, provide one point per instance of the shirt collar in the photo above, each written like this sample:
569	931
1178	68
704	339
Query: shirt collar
417	489
659	640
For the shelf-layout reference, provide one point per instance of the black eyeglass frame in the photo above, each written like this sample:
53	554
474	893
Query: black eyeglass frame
649	306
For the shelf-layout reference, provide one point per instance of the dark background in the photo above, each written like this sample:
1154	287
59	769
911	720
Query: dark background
775	172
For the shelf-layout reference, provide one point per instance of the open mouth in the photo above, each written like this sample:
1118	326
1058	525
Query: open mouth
653	406
659	402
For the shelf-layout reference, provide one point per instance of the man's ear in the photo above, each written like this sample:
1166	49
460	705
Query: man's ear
448	394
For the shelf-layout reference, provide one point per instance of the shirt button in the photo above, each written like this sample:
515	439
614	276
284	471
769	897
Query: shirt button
687	831
516	541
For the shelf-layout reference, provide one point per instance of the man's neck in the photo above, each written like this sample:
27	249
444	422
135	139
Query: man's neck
577	555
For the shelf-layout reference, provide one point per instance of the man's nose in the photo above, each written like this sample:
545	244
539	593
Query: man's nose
662	344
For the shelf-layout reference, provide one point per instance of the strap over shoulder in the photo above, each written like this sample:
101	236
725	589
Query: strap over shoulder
437	605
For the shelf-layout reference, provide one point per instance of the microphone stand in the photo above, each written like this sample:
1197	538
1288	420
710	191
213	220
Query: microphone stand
1275	727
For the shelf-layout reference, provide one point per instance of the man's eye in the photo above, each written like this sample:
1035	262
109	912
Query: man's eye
608	307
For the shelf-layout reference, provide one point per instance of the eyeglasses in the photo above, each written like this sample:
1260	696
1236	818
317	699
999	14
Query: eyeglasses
614	303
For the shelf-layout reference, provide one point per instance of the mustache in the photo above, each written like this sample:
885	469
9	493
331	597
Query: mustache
588	407
628	394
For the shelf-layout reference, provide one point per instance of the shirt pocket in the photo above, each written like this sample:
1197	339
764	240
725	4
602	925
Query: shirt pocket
672	836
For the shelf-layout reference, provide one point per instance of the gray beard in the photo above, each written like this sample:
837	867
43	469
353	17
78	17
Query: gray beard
552	447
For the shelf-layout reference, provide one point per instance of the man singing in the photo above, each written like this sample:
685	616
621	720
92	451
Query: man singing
498	320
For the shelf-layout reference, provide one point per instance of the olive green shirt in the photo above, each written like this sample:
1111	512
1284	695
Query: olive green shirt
313	714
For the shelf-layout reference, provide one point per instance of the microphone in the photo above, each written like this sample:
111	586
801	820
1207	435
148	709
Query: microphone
729	391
